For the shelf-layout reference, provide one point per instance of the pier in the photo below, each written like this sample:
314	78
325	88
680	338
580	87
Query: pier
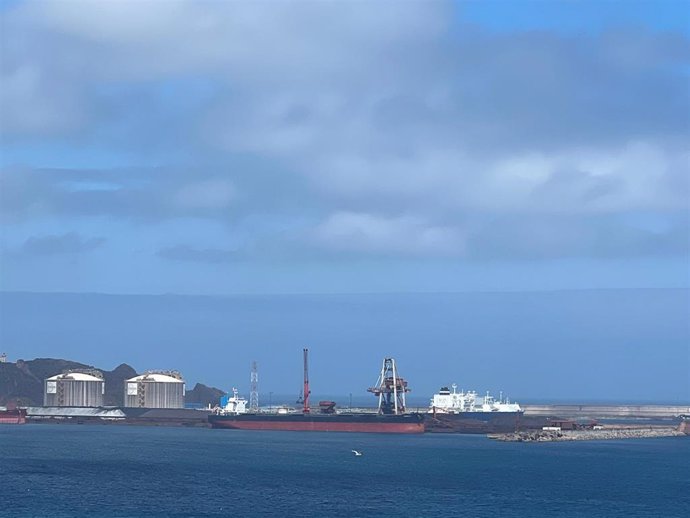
609	411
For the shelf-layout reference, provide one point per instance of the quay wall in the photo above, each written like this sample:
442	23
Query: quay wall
633	411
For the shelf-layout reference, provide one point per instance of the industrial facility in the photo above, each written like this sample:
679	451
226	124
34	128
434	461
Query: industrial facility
75	389
155	389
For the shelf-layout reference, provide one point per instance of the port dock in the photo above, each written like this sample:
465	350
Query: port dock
573	411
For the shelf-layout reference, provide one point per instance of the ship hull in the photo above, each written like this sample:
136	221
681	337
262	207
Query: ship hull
12	416
362	423
478	422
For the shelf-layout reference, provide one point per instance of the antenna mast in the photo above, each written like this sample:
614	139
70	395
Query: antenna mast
306	381
254	394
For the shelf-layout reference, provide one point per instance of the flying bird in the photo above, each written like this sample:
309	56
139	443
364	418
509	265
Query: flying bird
357	453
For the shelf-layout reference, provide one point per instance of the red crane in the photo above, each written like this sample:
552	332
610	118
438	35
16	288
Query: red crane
306	381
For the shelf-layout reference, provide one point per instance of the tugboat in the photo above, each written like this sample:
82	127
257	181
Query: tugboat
12	415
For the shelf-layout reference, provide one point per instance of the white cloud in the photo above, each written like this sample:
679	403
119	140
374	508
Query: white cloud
369	108
208	194
255	39
31	104
370	233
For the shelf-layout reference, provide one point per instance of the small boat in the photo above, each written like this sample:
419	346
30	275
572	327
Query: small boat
12	415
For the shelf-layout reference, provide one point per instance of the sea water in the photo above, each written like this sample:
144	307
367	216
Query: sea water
128	471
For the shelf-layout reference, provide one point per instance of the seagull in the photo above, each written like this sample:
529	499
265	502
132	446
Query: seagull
357	453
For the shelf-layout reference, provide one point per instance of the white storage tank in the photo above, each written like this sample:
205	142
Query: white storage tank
76	388
155	389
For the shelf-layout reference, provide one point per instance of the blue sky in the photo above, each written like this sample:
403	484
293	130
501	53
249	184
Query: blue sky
600	345
219	148
578	16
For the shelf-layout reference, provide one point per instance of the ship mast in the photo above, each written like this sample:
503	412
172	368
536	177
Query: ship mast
306	381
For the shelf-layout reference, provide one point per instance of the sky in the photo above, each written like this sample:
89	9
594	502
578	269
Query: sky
330	147
273	147
575	345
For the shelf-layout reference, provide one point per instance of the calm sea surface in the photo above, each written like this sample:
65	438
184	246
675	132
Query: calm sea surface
49	470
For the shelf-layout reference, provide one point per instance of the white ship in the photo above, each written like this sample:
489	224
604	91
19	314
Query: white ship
447	402
232	405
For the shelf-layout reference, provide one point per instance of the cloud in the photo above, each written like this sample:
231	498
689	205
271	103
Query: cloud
369	128
211	194
238	188
30	105
70	243
206	255
370	233
233	43
531	237
148	194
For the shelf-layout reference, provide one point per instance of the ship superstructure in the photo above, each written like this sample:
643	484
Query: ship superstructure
233	405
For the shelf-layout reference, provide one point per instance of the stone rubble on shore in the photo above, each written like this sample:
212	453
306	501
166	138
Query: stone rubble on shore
587	435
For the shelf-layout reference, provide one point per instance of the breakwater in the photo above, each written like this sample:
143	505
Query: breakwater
589	435
611	411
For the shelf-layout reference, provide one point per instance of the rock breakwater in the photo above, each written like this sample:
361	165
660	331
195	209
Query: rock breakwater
588	435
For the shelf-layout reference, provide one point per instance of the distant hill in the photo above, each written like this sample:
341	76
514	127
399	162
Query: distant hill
203	395
115	384
22	382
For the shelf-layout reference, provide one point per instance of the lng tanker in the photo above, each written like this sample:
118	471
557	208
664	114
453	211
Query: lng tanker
466	412
391	416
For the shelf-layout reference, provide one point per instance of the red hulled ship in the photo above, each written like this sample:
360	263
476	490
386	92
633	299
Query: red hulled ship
12	416
390	418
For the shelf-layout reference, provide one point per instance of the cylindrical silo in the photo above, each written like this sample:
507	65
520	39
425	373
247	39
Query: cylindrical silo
74	389
155	390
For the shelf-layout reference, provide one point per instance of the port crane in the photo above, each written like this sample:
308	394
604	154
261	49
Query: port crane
390	388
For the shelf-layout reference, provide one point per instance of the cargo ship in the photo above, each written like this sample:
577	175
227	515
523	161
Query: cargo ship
391	416
466	412
12	416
